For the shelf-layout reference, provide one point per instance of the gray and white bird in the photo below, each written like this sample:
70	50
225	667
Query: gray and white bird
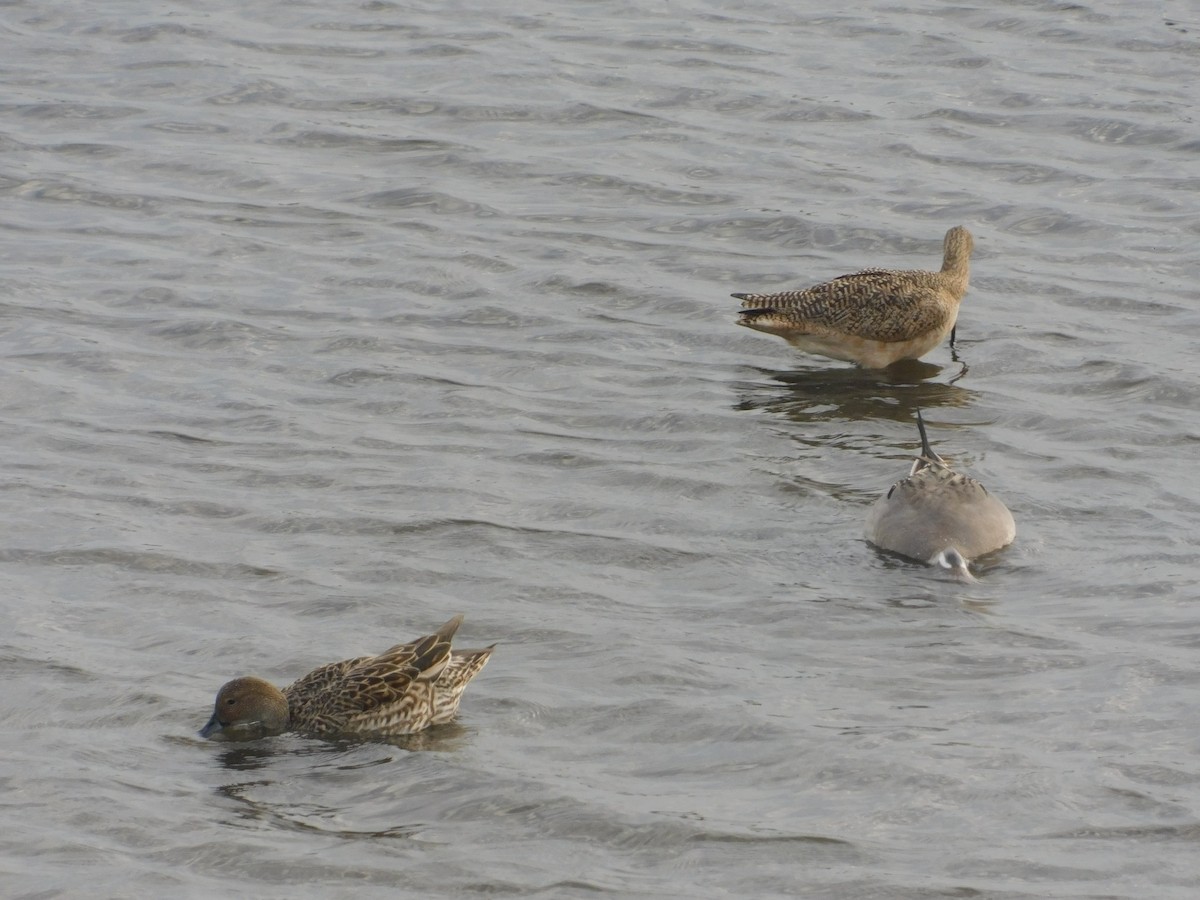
939	516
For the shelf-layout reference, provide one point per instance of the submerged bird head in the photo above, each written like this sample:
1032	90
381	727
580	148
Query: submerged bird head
246	709
951	559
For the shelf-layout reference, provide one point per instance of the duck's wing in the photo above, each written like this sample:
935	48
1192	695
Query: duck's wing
321	680
383	680
313	700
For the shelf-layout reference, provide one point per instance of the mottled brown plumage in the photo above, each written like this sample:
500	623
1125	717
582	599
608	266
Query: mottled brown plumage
405	689
939	516
873	317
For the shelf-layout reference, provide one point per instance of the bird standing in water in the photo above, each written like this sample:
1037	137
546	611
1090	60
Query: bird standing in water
874	317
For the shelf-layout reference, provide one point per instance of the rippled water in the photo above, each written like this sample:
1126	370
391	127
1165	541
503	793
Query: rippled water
322	323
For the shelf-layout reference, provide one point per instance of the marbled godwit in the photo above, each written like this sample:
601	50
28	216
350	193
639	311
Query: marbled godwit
874	317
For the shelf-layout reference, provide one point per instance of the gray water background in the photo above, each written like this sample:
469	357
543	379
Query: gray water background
323	322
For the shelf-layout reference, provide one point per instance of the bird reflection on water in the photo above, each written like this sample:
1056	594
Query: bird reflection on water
830	394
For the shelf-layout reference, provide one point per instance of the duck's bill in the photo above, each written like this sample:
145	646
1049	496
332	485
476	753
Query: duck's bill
215	730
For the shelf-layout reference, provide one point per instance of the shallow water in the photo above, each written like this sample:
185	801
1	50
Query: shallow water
322	324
